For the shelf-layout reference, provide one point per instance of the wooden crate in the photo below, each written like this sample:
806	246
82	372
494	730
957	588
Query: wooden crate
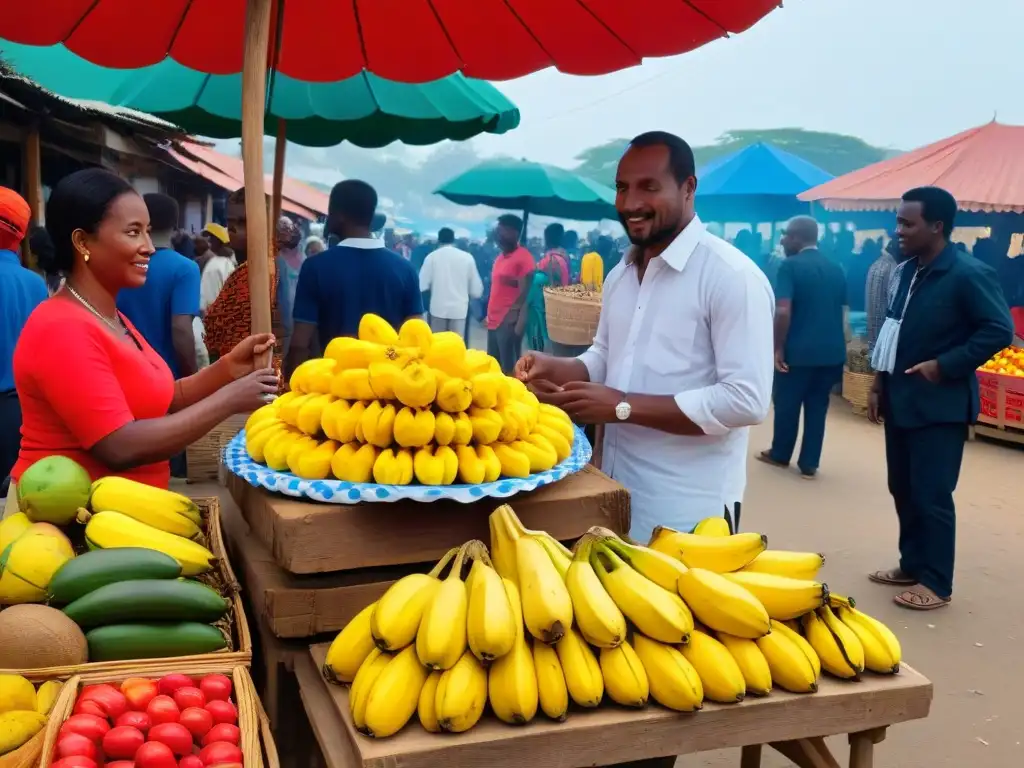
203	456
1002	407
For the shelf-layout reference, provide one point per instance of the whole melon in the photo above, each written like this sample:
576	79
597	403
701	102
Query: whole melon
37	636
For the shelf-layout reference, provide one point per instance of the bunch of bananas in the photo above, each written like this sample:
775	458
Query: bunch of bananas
398	407
533	626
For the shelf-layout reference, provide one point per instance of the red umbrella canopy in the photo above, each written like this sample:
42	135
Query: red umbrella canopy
405	40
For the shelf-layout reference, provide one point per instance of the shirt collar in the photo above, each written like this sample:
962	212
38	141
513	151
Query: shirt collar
681	248
945	259
9	256
363	243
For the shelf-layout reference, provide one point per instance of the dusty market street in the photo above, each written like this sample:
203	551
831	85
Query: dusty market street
967	649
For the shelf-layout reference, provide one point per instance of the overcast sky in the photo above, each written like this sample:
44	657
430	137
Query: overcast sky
897	73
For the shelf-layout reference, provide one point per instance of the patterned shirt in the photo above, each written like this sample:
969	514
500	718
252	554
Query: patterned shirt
877	294
229	318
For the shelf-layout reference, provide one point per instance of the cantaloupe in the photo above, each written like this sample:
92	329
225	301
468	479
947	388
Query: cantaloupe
36	636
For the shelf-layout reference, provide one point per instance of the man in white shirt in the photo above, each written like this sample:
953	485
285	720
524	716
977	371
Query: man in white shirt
450	274
682	362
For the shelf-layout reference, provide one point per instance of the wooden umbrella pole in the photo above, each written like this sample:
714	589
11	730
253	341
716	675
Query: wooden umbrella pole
280	146
254	93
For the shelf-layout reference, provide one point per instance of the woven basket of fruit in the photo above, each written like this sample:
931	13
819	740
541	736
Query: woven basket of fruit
145	584
572	312
24	713
857	377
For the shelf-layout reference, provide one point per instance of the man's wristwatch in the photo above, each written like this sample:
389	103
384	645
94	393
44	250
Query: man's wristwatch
623	410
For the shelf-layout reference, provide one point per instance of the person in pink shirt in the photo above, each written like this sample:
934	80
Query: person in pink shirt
554	262
510	279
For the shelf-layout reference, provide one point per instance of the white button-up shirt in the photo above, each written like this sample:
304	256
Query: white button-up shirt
450	274
699	328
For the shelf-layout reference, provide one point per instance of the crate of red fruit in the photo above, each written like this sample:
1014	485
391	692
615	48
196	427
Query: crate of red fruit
193	719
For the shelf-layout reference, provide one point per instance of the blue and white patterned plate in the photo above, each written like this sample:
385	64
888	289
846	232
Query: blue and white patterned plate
339	492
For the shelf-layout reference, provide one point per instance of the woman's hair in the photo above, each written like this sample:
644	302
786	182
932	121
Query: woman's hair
80	201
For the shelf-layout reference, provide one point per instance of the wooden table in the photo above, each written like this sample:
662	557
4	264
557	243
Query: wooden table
794	725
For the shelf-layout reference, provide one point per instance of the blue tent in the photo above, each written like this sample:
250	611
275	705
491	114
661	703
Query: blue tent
758	183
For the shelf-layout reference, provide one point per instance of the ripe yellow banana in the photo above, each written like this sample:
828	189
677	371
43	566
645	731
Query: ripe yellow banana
263	413
547	607
719	672
795	565
415	332
582	673
784	598
562	446
399	611
514	463
393	467
444	432
486	389
350	648
455	395
298	450
853	649
882	652
539	450
752	664
309	415
624	676
790	666
394	695
461	695
352	384
560	556
376	329
256	443
656	612
598	617
113	530
503	543
722	605
441	637
673	681
355	463
653	565
166	510
830	649
414	427
382	378
490	623
721	554
554	696
359	693
426	708
316	464
712	526
801	642
512	679
276	451
378	423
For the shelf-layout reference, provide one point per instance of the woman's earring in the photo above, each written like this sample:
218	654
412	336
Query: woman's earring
85	256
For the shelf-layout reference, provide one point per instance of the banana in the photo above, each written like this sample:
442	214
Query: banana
350	648
359	693
341	420
489	389
560	556
840	601
721	554
416	385
795	565
752	664
444	428
539	451
426	708
399	612
598	617
376	329
562	427
514	463
722	605
261	414
553	694
166	510
674	683
276	451
582	673
378	423
316	463
658	613
512	679
547	607
348	352
382	375
849	643
471	468
649	563
47	695
784	598
490	622
563	448
113	530
624	676
461	695
712	526
415	332
789	665
486	424
441	637
355	463
394	695
352	384
393	467
513	424
503	543
463	429
414	428
830	650
256	443
309	415
882	652
492	466
719	672
17	727
435	466
801	642
297	450
300	378
455	395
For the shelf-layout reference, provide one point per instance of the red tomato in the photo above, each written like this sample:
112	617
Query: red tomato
190	761
197	720
154	754
216	687
220	752
174	735
168	684
162	709
139	720
139	692
121	764
91	726
189	697
75	745
225	765
111	701
129	682
74	762
223	732
90	708
122	742
222	711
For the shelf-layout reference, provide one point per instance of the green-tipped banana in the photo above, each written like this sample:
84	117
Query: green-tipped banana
653	565
595	613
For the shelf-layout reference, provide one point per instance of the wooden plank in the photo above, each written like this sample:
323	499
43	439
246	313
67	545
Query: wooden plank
610	735
336	748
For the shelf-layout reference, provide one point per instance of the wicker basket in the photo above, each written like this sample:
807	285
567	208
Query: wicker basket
240	637
572	318
203	456
27	755
856	388
257	744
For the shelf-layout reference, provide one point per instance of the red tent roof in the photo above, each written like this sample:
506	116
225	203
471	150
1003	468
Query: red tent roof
983	168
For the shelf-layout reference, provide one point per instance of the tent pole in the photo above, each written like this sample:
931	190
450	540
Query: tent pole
254	93
522	237
280	145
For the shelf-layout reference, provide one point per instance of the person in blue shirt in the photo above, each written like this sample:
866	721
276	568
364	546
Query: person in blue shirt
358	275
163	308
21	291
810	345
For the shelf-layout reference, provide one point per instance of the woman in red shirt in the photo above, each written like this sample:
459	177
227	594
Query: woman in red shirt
90	386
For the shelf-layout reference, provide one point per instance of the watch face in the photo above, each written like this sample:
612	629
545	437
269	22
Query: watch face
622	411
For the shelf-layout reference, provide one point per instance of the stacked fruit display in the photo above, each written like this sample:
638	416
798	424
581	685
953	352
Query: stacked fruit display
173	722
403	407
1009	362
23	710
533	626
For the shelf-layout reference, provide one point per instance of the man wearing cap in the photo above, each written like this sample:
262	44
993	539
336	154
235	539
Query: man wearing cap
219	265
21	291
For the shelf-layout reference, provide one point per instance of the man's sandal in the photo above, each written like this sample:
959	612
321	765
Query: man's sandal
894	577
919	600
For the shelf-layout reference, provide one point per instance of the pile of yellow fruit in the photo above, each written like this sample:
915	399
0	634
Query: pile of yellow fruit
23	710
398	407
534	627
1009	362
